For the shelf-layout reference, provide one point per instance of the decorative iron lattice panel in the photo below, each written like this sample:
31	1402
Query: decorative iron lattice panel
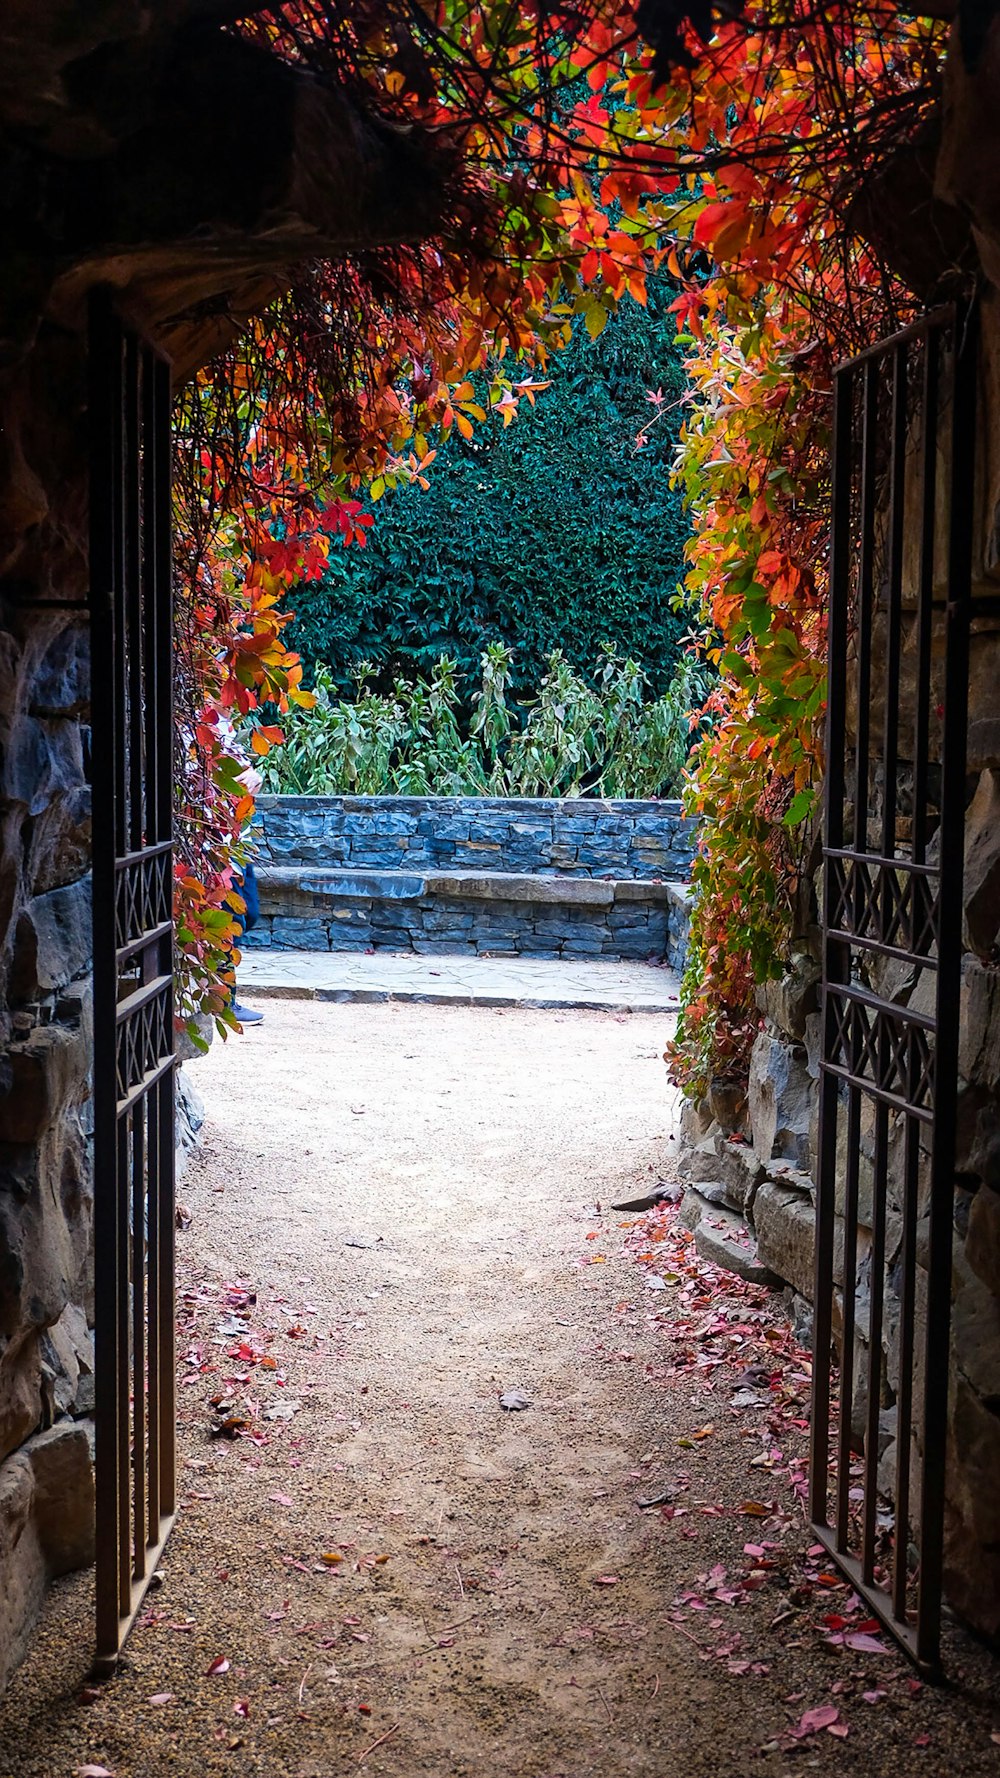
900	606
132	649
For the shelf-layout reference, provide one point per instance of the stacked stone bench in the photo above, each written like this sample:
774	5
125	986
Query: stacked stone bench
473	875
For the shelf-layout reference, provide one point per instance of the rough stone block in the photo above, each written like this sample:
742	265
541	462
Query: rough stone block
378	824
54	940
582	944
982	865
979	1031
972	1513
48	1071
789	1001
67	1350
356	936
299	935
64	1496
785	1225
535	944
351	913
733	1164
23	1571
640	946
43	758
259	938
60	841
622	918
560	854
46	1528
780	1101
60	684
446	919
724	1239
982	1241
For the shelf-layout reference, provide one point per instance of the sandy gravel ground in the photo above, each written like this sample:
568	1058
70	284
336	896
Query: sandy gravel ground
393	1221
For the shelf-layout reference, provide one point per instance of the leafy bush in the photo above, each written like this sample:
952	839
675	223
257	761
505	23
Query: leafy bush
553	533
575	738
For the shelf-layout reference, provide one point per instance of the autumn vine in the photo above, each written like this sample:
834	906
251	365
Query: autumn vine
576	148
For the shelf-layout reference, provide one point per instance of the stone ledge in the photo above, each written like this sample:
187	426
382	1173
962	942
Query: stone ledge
281	884
665	809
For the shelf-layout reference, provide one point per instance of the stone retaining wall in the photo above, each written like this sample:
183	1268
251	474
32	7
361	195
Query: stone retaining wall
473	875
570	836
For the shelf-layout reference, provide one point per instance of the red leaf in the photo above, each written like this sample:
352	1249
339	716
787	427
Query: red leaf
219	1665
811	1721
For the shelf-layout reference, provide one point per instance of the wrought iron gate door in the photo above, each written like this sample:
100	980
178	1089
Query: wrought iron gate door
901	571
132	648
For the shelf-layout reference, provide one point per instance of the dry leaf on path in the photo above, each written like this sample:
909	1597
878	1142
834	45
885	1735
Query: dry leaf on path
825	1716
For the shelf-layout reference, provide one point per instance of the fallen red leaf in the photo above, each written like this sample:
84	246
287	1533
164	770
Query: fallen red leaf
812	1721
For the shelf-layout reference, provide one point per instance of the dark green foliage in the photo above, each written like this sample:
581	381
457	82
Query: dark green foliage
556	533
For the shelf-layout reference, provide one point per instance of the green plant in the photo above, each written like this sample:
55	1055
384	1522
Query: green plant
555	532
575	738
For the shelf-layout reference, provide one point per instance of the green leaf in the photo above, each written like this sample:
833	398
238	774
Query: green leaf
800	807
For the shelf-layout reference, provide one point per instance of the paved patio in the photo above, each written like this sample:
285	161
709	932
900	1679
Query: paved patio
458	981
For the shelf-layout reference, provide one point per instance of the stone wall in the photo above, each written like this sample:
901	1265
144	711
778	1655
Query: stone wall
568	836
46	1311
473	875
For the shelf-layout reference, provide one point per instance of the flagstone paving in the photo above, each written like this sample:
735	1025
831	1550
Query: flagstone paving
458	980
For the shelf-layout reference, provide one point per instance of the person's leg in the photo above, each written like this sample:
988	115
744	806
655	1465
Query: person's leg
244	1015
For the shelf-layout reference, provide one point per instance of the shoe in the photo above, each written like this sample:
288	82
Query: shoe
245	1014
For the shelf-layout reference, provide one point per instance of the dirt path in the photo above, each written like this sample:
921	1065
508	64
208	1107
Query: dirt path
392	1222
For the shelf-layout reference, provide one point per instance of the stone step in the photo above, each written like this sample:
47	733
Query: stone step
722	1237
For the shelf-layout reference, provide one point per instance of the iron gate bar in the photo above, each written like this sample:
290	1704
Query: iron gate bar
892	901
134	1064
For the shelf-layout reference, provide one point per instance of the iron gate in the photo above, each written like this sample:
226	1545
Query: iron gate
132	648
901	570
